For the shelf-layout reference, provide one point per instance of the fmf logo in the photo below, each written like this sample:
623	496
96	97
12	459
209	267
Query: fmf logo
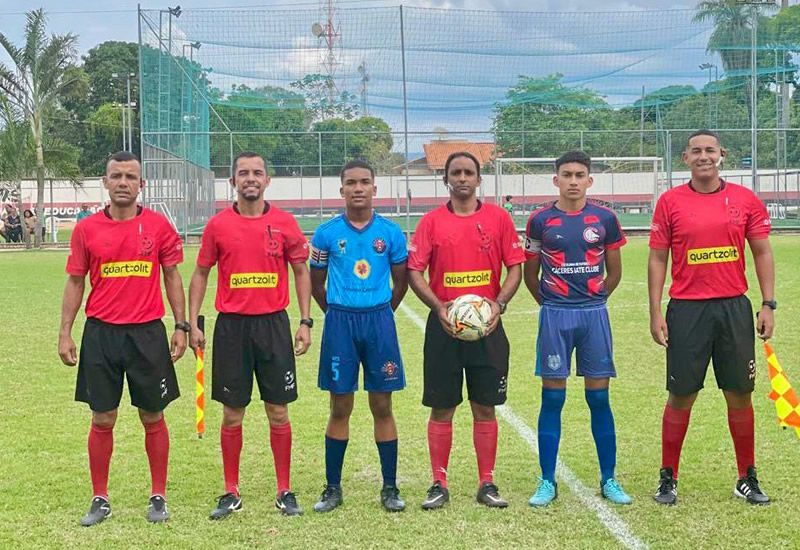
126	269
718	255
463	279
254	280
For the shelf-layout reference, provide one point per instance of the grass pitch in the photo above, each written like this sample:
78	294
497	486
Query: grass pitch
45	480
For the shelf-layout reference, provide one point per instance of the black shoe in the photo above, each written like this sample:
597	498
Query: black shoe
331	498
667	492
437	497
98	511
157	509
489	496
390	498
226	505
748	489
287	504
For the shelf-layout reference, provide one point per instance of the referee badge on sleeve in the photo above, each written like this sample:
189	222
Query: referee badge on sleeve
532	245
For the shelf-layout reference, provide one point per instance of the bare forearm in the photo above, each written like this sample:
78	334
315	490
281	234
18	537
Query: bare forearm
399	284
656	276
302	284
765	272
173	285
531	276
420	287
511	284
318	291
197	292
71	303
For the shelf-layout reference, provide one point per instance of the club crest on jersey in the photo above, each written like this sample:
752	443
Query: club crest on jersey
591	235
342	244
379	245
735	214
390	370
146	244
362	269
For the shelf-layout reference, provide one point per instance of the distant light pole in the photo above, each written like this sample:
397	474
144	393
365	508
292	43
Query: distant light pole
712	112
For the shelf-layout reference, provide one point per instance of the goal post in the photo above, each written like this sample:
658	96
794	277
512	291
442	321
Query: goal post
627	184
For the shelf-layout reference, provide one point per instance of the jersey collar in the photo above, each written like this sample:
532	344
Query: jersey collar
450	206
236	208
107	211
722	184
356	229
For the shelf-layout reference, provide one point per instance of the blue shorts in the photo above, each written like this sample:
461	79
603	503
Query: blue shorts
586	330
364	336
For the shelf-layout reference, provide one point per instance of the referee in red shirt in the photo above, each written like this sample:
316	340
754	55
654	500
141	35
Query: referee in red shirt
464	245
123	248
704	224
252	243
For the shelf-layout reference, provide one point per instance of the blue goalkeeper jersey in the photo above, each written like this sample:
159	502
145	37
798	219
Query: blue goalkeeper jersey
358	260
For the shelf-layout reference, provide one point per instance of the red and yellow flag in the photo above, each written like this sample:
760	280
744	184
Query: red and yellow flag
787	404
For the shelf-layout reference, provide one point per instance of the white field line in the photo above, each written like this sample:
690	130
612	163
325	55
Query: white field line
610	520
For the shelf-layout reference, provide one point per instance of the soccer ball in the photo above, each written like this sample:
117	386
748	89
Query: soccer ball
469	316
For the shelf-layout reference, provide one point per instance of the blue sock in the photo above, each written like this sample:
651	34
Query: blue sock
387	450
334	458
550	430
605	436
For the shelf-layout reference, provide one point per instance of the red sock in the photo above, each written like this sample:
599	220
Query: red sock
280	439
742	426
673	431
484	437
230	440
156	443
440	439
101	445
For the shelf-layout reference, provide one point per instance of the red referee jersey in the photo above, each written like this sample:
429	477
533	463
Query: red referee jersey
123	259
705	233
252	257
465	254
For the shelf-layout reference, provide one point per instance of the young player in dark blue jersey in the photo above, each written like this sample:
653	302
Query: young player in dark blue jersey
358	253
576	243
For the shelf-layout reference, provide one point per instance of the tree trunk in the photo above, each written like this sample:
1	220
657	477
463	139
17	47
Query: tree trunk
37	137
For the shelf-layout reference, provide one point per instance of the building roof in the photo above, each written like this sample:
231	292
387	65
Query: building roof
436	152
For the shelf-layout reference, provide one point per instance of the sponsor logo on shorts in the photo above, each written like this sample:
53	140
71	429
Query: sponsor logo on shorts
126	269
379	245
591	235
716	255
289	379
390	370
503	386
465	279
362	269
163	386
554	362
254	280
751	370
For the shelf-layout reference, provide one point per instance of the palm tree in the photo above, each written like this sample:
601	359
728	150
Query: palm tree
731	35
34	84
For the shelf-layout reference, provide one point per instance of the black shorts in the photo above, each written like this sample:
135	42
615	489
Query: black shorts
139	352
719	329
447	360
248	344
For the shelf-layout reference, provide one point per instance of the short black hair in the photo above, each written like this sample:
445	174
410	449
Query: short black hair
357	163
122	156
465	154
508	198
574	156
246	155
703	132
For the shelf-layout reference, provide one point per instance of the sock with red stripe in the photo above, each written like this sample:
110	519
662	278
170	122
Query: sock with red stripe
100	445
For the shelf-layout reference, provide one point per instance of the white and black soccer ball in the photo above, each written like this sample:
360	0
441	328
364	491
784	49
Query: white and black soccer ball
469	316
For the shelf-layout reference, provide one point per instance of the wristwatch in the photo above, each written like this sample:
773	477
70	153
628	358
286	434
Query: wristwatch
503	306
772	304
307	322
184	326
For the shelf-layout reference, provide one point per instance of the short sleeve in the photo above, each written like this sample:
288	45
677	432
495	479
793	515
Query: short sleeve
320	249
421	247
398	249
660	228
207	257
512	250
171	250
296	242
78	260
533	237
758	221
615	238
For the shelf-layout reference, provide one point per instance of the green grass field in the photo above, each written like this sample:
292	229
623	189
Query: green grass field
45	480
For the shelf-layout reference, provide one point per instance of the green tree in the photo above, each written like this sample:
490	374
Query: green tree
367	138
35	83
323	100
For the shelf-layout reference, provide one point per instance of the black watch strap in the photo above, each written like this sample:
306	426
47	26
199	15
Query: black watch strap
772	304
307	322
184	326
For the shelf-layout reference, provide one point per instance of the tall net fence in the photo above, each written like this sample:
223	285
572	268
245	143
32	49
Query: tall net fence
401	87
